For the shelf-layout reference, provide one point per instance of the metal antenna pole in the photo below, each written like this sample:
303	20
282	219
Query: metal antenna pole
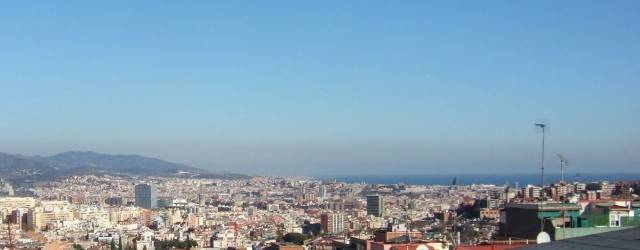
563	163
561	169
542	126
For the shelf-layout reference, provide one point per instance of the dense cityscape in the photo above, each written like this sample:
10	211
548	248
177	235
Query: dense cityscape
319	125
110	212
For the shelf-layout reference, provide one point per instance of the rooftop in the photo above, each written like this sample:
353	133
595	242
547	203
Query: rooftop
544	206
622	239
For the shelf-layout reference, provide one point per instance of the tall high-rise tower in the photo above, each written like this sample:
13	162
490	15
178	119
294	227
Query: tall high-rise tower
201	200
375	205
146	196
322	191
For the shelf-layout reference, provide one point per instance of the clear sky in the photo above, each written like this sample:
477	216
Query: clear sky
326	87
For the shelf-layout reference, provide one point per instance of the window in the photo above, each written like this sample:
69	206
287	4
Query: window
614	220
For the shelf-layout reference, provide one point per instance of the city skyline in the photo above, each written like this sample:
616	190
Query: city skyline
326	88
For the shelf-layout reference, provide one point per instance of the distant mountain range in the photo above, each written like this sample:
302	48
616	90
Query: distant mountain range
19	168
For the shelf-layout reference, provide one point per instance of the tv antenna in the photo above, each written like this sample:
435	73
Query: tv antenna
542	236
542	125
563	163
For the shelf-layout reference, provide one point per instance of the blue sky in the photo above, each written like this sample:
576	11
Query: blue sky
327	87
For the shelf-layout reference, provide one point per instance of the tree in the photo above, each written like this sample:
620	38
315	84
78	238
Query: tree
468	233
191	243
135	243
188	239
164	245
296	238
280	236
437	229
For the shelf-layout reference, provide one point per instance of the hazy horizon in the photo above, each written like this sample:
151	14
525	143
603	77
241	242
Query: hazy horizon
550	170
312	87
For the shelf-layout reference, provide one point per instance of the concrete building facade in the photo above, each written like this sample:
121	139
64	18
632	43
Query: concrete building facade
375	205
146	196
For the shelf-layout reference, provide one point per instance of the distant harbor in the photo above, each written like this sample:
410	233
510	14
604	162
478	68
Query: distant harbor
495	179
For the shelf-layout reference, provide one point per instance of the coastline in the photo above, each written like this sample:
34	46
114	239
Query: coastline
468	179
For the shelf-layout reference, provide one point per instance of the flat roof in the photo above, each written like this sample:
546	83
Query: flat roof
544	206
615	208
621	239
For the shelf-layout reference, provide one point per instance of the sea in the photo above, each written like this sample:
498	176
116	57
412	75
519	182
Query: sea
495	179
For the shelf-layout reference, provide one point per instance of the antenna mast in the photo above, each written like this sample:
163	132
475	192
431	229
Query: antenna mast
563	163
542	126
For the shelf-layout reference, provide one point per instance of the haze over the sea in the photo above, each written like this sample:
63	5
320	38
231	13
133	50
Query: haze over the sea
495	179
